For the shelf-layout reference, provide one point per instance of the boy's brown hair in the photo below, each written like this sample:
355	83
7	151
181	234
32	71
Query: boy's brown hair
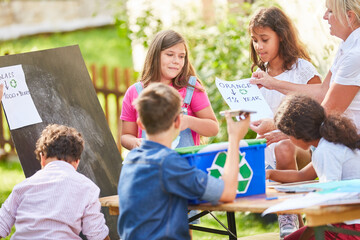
158	106
64	143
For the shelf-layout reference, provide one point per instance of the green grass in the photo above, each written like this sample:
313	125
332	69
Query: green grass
246	224
98	45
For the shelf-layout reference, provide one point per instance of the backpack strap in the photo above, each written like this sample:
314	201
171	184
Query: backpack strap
189	91
138	87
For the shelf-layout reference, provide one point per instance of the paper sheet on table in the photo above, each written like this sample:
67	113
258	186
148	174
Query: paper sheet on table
324	187
240	94
18	105
313	199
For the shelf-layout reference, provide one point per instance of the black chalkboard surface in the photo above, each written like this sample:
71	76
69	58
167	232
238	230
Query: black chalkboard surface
62	91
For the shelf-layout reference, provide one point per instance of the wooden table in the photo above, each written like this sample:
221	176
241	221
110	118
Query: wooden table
316	216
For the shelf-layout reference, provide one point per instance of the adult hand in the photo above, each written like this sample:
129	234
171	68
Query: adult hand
273	137
262	79
237	129
262	126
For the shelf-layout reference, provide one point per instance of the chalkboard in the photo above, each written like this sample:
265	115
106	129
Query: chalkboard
62	91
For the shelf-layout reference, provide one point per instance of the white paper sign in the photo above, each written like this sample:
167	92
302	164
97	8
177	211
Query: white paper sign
17	102
241	94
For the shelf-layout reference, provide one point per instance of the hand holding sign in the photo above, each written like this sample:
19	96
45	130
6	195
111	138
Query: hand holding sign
241	94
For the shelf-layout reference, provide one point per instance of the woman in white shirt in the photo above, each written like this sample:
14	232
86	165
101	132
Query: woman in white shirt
339	92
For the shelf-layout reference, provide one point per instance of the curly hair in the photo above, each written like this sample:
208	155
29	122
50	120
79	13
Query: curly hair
305	119
290	48
63	142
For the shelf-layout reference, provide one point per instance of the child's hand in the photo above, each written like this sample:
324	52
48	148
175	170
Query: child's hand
237	130
262	126
274	137
137	143
268	173
262	79
184	121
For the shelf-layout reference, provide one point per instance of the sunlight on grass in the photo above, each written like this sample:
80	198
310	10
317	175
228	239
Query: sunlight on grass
99	45
246	224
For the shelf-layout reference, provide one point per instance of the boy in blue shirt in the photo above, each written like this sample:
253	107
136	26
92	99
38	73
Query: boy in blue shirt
156	182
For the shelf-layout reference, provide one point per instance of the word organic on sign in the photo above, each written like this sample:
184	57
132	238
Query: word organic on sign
241	94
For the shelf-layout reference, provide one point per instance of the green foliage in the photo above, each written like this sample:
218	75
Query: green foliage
144	27
101	45
10	174
220	50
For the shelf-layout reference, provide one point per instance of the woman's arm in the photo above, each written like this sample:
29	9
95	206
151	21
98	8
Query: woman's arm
317	91
204	122
339	97
128	135
287	176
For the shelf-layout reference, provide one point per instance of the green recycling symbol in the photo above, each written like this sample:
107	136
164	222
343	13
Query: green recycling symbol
245	171
243	91
13	83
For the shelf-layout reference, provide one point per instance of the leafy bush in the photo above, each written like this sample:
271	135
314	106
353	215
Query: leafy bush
220	50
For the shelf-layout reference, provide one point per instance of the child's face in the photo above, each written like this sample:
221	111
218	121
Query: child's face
172	61
266	43
300	143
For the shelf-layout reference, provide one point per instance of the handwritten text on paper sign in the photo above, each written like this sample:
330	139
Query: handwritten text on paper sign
17	100
240	94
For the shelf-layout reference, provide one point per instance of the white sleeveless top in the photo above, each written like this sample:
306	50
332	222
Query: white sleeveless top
301	72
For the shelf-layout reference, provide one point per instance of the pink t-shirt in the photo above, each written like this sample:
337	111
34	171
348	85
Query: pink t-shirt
199	101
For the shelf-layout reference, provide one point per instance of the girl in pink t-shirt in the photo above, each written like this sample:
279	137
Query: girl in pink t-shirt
167	61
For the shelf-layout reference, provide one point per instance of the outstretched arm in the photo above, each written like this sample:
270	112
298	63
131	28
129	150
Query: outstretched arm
339	97
236	131
316	91
263	126
287	176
